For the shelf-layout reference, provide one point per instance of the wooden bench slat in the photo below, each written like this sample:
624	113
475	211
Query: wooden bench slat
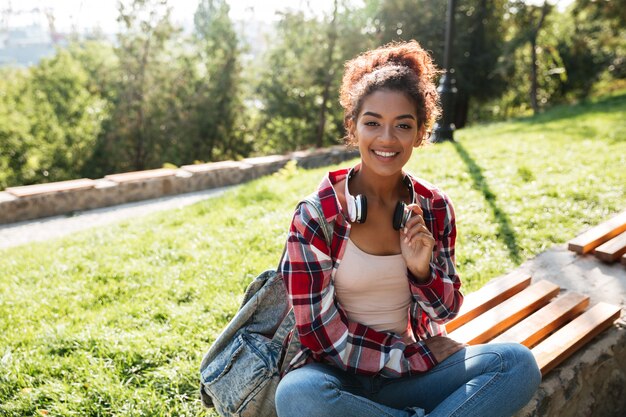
494	321
548	319
141	175
613	249
598	235
567	340
489	296
51	187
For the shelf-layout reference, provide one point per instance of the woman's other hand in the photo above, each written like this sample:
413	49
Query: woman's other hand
417	244
442	347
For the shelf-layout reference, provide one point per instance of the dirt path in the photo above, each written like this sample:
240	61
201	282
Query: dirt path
53	227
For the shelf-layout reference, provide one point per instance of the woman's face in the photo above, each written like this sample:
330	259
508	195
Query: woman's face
386	131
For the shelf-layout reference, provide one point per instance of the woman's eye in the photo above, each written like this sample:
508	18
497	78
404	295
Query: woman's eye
404	126
371	124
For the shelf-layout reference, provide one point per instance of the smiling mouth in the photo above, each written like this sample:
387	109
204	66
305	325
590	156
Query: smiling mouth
385	154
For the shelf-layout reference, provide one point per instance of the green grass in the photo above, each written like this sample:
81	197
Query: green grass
114	321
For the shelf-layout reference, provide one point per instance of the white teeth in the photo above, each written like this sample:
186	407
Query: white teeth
385	154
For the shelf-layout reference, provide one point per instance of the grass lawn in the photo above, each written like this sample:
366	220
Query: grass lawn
113	321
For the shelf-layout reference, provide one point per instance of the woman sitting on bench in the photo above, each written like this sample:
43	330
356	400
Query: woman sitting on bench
370	308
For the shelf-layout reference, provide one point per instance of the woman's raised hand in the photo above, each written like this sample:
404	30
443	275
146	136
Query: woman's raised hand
417	244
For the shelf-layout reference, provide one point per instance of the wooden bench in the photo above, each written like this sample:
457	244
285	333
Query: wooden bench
52	187
511	309
607	241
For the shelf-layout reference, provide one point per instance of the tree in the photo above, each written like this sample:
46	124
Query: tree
530	20
328	77
143	61
478	44
15	130
217	105
601	27
49	122
299	86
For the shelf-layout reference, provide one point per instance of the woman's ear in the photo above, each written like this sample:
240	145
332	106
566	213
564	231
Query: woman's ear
421	136
351	131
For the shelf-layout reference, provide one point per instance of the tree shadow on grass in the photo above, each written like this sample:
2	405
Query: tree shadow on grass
505	230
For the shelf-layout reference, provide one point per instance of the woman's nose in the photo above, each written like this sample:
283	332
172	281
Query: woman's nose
387	134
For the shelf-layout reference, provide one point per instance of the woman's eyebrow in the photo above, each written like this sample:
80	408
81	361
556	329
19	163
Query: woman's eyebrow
402	116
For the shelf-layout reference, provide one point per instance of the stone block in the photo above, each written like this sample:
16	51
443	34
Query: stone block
215	175
592	382
265	165
52	187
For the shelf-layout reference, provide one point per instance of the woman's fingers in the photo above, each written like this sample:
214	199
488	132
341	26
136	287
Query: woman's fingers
442	347
418	233
416	209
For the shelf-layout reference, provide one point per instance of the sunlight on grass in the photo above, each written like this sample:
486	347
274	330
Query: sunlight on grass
115	320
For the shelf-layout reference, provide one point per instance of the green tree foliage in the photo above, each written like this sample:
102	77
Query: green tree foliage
139	112
599	34
216	102
15	127
568	55
49	122
298	89
529	21
159	95
477	49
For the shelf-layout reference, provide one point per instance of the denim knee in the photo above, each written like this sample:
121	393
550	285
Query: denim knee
521	364
301	393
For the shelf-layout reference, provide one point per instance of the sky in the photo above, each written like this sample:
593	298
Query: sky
85	14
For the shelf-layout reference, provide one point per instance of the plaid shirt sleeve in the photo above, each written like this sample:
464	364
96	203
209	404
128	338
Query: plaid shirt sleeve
323	326
439	297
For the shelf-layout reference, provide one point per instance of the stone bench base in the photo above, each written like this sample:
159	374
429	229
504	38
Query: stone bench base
592	382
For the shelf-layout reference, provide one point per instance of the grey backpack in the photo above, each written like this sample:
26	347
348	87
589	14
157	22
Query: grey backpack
240	372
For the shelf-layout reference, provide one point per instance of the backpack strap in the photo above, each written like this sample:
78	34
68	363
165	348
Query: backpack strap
327	228
314	201
289	321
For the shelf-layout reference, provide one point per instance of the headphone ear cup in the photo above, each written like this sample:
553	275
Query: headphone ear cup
357	208
399	217
361	205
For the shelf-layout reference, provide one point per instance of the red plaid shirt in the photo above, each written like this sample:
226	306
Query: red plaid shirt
326	333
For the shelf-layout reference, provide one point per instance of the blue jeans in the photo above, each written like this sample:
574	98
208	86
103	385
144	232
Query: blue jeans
485	381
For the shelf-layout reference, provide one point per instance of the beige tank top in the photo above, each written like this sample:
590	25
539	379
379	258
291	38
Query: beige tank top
374	290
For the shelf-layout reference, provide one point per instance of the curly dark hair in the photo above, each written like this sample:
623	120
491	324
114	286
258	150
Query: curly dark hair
397	66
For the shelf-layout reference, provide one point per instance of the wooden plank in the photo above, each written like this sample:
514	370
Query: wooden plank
548	319
504	315
612	250
490	295
141	175
564	342
598	235
52	187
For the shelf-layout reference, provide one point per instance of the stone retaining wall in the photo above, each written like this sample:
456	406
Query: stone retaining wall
37	201
591	383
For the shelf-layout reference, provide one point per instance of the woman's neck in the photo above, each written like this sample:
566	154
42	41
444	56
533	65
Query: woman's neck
376	187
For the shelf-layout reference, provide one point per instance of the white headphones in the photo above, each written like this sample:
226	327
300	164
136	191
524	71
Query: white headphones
357	206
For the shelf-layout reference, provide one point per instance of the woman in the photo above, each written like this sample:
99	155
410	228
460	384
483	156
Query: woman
370	307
